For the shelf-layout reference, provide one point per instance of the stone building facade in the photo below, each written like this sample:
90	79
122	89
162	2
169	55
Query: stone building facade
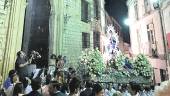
165	10
146	35
73	25
11	29
77	26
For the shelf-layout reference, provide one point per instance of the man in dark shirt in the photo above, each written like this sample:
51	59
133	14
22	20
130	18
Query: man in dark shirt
54	89
88	90
36	87
21	62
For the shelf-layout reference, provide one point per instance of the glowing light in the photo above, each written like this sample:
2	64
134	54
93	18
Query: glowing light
110	41
127	22
154	1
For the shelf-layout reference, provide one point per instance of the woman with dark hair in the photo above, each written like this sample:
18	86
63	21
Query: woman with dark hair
134	88
74	86
64	88
8	82
14	80
88	90
97	90
60	62
26	84
18	89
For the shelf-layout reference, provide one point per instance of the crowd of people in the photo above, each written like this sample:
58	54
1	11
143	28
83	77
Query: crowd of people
55	85
68	83
71	85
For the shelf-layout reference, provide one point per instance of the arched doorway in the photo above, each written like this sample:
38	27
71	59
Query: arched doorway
36	29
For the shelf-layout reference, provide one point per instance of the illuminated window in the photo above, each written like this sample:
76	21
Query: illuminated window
85	40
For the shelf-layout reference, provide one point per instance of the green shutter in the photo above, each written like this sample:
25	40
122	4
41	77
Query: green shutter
89	12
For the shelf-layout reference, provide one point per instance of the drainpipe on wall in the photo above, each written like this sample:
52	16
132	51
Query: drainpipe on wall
165	41
165	44
164	38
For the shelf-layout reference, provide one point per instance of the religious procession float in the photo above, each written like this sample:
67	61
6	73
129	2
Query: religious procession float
112	65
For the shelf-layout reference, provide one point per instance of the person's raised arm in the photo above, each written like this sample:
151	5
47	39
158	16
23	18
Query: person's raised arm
24	64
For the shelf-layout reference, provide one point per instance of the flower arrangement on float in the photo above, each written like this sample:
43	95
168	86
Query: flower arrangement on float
91	63
138	69
142	67
119	69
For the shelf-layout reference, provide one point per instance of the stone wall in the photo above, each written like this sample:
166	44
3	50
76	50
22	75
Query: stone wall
3	18
140	42
11	30
73	28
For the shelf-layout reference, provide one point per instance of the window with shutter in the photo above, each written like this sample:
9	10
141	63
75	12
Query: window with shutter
147	6
163	74
152	39
85	40
96	9
96	40
84	11
151	35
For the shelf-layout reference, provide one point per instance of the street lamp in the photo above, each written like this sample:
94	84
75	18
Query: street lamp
156	6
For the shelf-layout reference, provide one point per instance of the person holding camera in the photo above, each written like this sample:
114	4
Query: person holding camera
35	55
21	62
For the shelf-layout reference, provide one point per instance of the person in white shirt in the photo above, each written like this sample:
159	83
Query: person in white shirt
26	84
109	91
9	91
163	89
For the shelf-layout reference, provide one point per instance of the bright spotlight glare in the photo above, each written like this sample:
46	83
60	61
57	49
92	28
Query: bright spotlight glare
154	1
126	22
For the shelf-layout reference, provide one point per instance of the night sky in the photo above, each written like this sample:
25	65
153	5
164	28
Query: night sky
118	9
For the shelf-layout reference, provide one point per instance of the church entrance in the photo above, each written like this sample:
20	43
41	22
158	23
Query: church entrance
36	30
